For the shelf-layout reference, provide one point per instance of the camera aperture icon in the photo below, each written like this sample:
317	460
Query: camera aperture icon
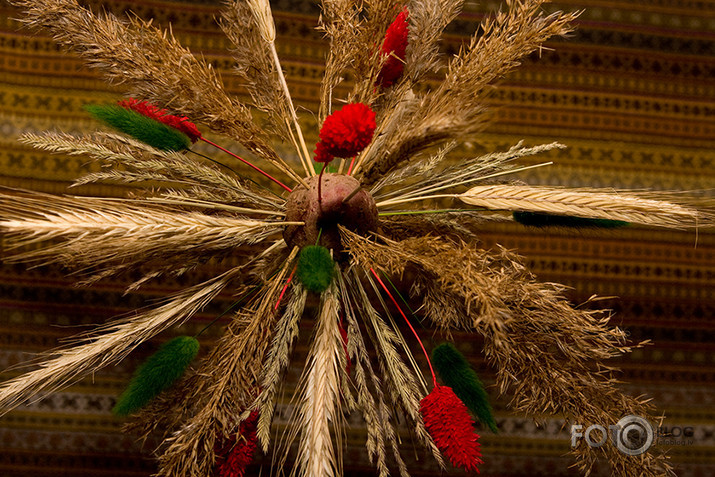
634	436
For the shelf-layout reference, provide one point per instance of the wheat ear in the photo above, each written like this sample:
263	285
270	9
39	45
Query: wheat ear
277	360
225	385
375	412
110	344
595	204
321	392
401	382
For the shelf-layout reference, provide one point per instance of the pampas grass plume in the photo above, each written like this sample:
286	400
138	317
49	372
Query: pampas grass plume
140	127
157	374
455	371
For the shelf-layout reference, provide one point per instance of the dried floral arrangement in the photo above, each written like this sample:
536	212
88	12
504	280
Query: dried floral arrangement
337	235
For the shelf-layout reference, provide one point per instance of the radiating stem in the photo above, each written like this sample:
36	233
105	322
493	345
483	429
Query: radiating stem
352	163
414	199
352	194
454	183
431	211
429	362
285	287
248	164
188	202
261	186
303	151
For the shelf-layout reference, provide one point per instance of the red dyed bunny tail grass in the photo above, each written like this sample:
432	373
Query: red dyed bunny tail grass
345	132
452	428
238	452
444	414
395	48
149	110
182	124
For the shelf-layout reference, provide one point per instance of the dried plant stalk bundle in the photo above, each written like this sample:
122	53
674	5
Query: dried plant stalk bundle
187	210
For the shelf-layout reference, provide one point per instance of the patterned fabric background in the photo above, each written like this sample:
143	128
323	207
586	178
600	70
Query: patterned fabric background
632	94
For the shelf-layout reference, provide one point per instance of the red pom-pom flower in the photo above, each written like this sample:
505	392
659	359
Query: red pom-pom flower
147	109
395	48
322	154
452	428
238	453
346	132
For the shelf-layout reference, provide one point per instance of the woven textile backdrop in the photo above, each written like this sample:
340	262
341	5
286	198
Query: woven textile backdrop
632	95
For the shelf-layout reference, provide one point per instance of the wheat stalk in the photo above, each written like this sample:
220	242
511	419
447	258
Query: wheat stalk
169	411
320	393
63	143
457	107
277	360
401	382
133	161
263	16
373	408
226	384
583	203
480	168
89	233
110	343
340	22
254	63
428	19
523	322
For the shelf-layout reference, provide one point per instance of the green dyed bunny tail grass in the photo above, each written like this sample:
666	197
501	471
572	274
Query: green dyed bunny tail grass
140	127
157	374
456	373
537	219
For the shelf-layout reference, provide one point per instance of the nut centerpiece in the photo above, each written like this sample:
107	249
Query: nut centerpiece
322	217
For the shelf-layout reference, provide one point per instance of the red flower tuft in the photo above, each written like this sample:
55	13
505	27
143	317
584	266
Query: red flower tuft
147	109
236	454
322	154
395	48
346	132
452	428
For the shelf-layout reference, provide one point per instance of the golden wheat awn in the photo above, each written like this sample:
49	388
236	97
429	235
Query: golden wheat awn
187	211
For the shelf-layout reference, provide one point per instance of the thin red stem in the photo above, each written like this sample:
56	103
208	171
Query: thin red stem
429	362
352	163
248	164
280	298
